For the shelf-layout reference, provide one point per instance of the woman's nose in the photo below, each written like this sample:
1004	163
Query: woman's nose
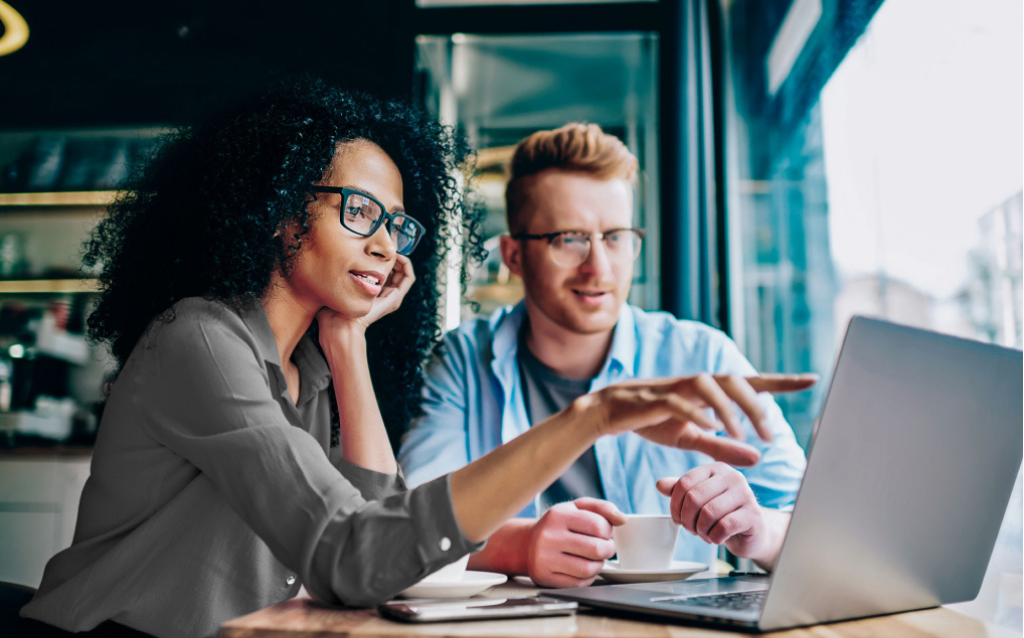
380	244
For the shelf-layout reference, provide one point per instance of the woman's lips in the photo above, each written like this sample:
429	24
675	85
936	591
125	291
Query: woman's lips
368	281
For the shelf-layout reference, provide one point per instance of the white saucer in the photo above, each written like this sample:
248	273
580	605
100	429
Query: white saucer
525	581
680	570
470	584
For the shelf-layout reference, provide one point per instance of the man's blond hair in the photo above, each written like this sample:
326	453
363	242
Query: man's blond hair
575	147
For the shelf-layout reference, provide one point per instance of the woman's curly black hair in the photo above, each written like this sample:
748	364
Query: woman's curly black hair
200	217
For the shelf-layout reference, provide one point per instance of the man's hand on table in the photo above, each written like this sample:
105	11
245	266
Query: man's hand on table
568	545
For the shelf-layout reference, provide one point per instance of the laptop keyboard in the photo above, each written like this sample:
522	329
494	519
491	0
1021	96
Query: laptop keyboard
736	601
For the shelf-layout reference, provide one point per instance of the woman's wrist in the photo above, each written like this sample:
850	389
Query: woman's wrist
583	419
587	416
343	343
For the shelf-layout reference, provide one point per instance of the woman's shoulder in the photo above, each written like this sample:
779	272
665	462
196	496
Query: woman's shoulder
196	321
196	341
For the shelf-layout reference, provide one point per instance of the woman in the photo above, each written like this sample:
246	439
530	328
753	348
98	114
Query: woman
237	460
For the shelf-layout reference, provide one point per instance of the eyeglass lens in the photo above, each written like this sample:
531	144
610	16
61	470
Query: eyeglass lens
572	249
361	216
405	234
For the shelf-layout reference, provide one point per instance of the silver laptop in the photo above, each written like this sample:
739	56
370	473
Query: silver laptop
917	450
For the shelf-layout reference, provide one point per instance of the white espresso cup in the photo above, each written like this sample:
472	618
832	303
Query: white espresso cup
646	541
449	573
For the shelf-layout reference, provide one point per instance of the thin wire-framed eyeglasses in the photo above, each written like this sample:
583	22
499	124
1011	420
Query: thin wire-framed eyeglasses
570	248
363	215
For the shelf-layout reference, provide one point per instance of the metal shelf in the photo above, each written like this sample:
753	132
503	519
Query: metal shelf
67	198
28	286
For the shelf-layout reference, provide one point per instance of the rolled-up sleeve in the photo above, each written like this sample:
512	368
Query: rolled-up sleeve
372	485
417	527
206	395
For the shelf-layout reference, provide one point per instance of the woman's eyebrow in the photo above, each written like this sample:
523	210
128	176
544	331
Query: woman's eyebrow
366	191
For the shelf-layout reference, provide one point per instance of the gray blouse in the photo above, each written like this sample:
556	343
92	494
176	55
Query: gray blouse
213	495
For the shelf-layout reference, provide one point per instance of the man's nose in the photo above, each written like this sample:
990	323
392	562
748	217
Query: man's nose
598	262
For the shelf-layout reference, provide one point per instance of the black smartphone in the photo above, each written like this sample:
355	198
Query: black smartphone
475	609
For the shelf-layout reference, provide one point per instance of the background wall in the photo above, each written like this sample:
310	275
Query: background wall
126	62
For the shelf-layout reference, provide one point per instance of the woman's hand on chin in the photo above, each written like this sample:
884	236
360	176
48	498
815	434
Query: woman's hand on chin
390	298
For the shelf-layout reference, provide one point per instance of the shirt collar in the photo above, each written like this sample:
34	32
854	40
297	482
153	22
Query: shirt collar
624	343
313	369
506	324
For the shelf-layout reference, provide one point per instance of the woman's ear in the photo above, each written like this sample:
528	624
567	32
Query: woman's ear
287	230
512	254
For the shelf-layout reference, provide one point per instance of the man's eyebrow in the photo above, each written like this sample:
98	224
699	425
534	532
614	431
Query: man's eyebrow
366	191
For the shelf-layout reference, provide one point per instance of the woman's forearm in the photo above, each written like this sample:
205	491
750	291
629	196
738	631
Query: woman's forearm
494	488
364	440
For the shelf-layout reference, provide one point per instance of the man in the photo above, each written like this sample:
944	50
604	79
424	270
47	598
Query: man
570	208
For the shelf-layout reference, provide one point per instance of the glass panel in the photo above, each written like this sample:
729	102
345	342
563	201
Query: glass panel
875	164
501	3
886	183
499	89
78	160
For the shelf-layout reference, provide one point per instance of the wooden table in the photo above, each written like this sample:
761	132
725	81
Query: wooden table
303	618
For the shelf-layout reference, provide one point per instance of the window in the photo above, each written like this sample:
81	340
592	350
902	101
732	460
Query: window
875	167
881	177
501	88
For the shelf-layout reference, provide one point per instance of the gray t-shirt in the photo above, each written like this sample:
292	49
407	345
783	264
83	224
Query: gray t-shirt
213	495
545	394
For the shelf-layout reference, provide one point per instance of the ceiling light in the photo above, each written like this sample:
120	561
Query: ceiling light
15	29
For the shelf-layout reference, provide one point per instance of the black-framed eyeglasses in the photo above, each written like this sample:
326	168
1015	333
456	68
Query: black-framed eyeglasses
570	248
363	215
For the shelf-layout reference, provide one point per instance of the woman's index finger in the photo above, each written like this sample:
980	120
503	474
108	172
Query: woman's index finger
777	383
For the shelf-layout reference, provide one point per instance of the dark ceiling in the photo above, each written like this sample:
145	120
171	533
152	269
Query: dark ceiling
119	62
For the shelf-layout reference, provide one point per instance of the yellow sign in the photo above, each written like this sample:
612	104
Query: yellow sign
15	29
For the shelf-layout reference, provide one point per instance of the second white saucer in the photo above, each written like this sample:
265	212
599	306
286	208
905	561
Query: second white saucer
679	570
470	584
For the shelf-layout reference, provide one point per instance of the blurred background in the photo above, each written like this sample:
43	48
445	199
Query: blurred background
801	161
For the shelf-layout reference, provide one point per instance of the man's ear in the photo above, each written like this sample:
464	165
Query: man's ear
512	255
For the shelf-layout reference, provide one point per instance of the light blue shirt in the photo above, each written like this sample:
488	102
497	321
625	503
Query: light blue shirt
473	402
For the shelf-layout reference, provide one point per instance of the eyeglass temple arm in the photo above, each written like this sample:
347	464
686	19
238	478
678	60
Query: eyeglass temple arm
548	236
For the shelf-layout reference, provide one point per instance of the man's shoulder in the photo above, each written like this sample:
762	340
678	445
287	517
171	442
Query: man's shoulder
667	342
659	329
476	335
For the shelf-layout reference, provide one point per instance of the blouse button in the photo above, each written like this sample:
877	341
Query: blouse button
445	544
290	580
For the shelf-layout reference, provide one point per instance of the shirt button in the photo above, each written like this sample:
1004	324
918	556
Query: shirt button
290	580
445	544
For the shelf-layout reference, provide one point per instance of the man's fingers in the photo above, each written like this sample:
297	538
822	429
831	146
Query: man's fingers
601	507
589	523
665	485
587	547
715	509
691	502
684	484
576	567
561	581
733	524
782	382
745	397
